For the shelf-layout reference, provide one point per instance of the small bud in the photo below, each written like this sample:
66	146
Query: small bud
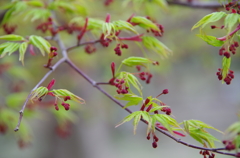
50	85
154	144
213	26
113	68
165	91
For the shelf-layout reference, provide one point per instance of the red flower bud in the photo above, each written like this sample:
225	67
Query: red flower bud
50	85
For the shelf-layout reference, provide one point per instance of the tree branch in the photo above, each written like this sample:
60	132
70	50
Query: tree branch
54	67
94	84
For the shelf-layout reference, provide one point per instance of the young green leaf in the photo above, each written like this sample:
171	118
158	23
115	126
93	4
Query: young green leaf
161	3
10	48
129	117
131	79
226	62
12	37
211	40
163	121
144	23
231	20
131	98
157	46
213	17
22	50
123	25
133	61
39	92
35	3
62	93
39	42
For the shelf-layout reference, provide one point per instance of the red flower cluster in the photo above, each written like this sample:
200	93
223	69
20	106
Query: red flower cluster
90	48
233	6
229	145
206	153
9	29
51	55
228	78
156	32
231	49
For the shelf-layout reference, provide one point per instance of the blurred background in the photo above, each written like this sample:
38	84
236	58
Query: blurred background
189	74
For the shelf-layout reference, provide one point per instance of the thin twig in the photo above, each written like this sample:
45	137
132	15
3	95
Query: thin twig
84	43
37	85
93	83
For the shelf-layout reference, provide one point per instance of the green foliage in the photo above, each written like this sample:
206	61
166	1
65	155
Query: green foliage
62	93
134	61
12	37
131	98
39	92
157	46
231	20
130	79
211	40
226	63
144	23
196	129
136	116
22	51
213	17
39	42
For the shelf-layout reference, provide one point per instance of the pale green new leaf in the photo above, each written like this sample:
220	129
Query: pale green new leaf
62	93
234	129
163	120
10	48
129	117
226	63
144	23
134	81
157	46
213	17
157	108
22	51
231	20
123	25
133	61
38	13
39	42
162	4
211	40
35	3
12	37
136	121
39	92
200	124
92	23
131	98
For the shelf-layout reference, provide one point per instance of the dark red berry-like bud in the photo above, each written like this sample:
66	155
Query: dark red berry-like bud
148	136
154	144
149	108
227	54
213	26
165	91
53	49
67	98
113	68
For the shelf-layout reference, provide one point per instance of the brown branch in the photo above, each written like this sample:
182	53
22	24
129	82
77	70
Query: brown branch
84	43
94	84
197	4
54	67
